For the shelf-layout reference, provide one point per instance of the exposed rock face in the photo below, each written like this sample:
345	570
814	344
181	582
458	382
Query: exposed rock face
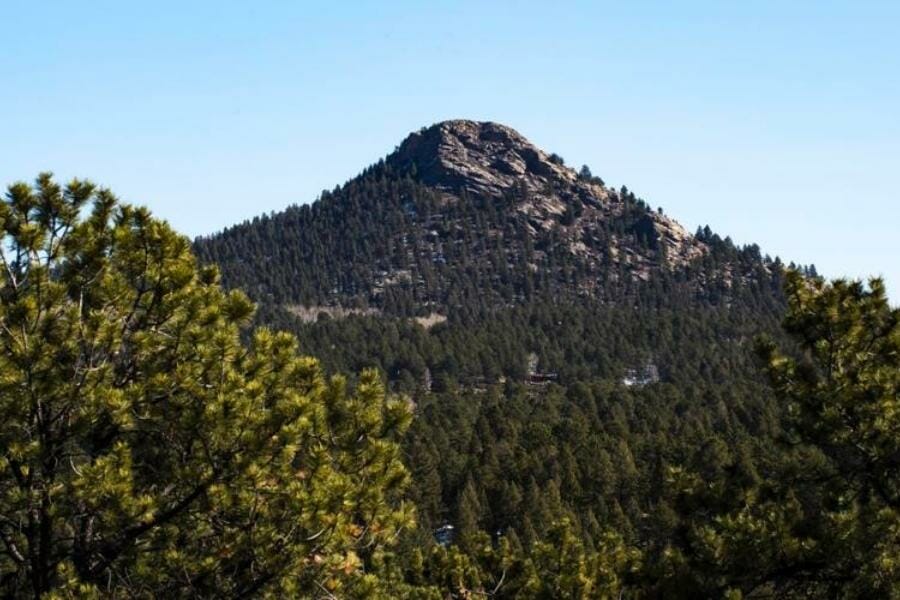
482	158
489	159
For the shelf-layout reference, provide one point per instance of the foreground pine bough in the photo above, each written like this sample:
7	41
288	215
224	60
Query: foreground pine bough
145	450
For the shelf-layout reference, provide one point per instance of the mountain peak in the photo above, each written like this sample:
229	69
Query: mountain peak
480	157
466	195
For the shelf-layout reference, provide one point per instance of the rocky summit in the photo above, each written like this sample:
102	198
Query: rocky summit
479	157
491	160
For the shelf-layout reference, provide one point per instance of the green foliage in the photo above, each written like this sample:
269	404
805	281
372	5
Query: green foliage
146	451
494	450
561	566
843	396
826	522
388	242
619	444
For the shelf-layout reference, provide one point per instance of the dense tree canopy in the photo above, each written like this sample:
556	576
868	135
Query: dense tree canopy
825	522
145	450
628	445
716	481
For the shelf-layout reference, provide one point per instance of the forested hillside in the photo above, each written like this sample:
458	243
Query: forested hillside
657	415
566	347
466	216
555	288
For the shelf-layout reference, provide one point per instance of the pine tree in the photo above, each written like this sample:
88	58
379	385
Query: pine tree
843	398
145	449
826	523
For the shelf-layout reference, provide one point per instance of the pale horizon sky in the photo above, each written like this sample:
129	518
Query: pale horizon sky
775	123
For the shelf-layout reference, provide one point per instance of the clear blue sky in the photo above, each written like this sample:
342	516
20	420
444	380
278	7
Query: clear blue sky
773	122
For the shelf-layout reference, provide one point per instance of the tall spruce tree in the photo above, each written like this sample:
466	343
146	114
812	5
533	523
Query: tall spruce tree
145	449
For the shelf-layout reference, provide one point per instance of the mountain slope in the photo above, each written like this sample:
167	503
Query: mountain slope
462	210
563	344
